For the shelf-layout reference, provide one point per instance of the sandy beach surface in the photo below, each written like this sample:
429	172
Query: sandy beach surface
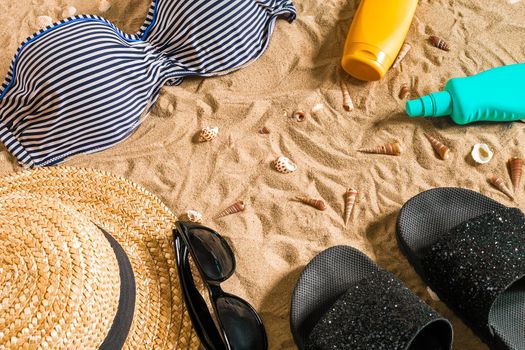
275	237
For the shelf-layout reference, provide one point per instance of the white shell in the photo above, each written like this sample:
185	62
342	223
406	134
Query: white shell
194	216
69	11
481	153
208	133
42	22
104	5
284	165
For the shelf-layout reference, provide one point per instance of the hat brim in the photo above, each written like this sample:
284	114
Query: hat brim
142	225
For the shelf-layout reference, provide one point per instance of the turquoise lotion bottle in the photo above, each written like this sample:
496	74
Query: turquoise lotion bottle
496	95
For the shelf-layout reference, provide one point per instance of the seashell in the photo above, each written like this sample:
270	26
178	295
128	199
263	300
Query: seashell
439	43
318	107
404	92
481	153
348	105
104	5
500	185
69	11
516	169
350	197
439	147
393	149
208	134
236	207
264	130
43	22
299	115
402	53
432	294
316	203
194	216
284	165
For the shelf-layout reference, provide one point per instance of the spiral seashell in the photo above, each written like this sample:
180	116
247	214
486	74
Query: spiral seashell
439	43
69	11
516	169
350	198
442	150
404	92
316	203
264	130
104	5
299	115
42	22
402	53
393	149
348	105
208	134
481	153
236	207
500	185
284	165
194	216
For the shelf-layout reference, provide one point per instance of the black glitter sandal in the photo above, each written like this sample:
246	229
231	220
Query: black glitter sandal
344	301
470	250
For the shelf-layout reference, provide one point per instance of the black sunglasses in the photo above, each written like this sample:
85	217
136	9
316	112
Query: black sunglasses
236	325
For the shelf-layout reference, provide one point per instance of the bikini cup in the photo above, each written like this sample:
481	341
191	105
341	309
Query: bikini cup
82	85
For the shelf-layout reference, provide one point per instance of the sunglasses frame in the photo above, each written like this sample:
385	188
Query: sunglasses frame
212	335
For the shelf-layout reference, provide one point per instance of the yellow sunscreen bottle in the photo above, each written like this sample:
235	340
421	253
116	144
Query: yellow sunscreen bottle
376	35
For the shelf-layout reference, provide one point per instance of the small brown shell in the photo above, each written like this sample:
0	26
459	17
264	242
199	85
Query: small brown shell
393	149
500	185
404	92
284	165
348	105
439	43
516	169
208	133
442	150
402	53
236	207
316	203
299	115
350	198
264	130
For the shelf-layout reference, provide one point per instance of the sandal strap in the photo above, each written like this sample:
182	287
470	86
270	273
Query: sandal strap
476	261
378	312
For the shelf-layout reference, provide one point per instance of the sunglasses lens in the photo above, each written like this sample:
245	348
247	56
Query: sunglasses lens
212	254
241	325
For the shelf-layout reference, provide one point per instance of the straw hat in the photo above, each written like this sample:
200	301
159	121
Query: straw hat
86	262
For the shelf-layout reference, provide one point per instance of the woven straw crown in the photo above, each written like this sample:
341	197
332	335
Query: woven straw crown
59	276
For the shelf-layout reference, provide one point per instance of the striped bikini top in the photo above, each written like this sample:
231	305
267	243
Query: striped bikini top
81	85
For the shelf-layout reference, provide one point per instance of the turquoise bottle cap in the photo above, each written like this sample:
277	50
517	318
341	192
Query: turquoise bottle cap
436	104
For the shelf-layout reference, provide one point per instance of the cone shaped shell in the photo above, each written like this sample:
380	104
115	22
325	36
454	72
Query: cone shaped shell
516	169
208	133
393	149
500	185
404	92
284	165
402	53
441	150
316	203
348	105
439	43
237	207
350	198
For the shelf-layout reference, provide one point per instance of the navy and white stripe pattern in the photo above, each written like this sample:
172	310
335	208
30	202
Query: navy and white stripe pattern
82	85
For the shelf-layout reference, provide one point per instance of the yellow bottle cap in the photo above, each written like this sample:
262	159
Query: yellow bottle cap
365	62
